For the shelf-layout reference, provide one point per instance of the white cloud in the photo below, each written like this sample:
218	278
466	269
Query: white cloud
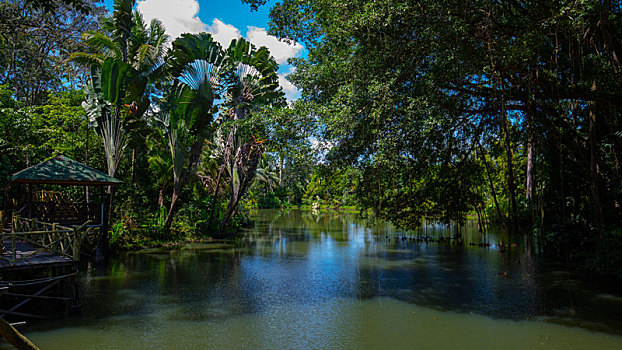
290	90
177	16
181	16
280	50
223	33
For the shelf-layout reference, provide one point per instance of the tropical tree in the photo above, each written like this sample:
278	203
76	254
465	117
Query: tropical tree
125	36
195	62
266	174
34	46
202	71
160	164
113	93
252	83
129	55
111	97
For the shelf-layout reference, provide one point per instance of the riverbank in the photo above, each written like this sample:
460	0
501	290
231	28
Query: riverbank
587	251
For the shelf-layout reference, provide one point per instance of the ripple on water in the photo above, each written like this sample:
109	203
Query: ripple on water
310	281
380	323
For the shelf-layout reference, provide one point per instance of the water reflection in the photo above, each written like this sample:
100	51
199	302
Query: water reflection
301	279
352	259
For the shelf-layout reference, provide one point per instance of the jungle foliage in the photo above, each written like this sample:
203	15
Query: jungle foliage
508	109
184	123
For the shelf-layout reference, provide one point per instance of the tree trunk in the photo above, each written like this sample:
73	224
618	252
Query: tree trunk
594	177
102	243
86	161
134	165
225	156
171	209
230	209
491	184
161	198
379	196
510	165
280	169
214	197
14	337
244	166
529	186
180	182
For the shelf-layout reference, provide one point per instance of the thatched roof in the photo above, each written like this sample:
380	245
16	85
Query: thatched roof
62	170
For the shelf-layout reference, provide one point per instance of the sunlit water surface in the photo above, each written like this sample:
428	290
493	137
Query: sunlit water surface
305	280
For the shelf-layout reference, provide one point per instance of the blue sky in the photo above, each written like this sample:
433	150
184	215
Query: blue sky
225	19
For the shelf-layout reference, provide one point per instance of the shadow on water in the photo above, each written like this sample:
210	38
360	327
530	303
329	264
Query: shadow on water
302	279
504	280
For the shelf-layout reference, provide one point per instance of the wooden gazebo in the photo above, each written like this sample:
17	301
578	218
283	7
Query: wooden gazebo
45	239
63	171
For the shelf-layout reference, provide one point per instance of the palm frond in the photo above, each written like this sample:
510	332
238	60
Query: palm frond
100	41
86	59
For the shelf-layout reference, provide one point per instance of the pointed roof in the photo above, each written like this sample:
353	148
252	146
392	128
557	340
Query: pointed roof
62	170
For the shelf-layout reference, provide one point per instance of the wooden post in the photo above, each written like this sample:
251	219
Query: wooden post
13	248
29	201
14	337
90	213
76	243
103	230
51	237
101	211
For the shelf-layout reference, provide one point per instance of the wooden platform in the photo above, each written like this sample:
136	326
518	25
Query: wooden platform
32	260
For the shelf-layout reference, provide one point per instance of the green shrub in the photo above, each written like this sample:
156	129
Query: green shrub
587	248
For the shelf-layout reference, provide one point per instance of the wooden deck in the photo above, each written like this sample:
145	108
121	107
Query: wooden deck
38	265
35	244
29	256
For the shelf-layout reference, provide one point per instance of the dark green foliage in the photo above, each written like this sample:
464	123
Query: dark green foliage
332	187
409	110
254	4
584	246
48	6
34	46
29	135
448	106
408	91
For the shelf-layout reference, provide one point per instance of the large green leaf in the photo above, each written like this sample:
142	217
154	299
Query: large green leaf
114	76
193	47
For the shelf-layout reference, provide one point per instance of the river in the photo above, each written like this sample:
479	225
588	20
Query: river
326	280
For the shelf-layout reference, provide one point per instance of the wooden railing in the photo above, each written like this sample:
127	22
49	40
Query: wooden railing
44	237
72	213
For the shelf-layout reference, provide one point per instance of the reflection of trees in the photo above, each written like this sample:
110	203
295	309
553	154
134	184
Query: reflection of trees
329	222
451	278
293	258
137	283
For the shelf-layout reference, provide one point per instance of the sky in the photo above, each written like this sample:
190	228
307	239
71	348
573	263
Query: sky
225	20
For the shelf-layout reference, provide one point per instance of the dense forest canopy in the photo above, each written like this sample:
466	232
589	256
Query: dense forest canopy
508	111
34	46
184	121
442	103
